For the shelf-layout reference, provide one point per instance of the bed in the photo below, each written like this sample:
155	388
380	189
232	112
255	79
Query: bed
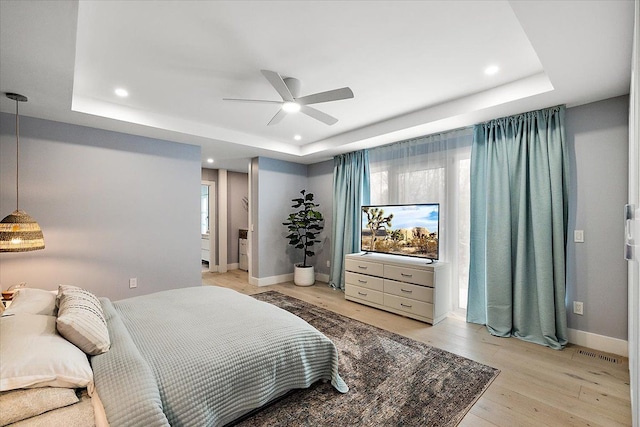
201	356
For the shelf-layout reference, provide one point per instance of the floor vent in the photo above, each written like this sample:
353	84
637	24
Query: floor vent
596	355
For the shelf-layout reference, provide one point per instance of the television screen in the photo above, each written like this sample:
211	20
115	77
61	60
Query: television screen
410	230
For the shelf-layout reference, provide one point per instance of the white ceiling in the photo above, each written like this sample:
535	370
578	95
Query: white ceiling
415	67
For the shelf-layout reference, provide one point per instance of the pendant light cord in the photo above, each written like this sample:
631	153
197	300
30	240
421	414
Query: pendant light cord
17	152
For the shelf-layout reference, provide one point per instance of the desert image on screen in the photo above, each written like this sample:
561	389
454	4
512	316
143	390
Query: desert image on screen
410	230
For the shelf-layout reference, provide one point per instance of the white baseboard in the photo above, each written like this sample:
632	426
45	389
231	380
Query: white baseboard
271	280
274	280
321	277
599	342
216	268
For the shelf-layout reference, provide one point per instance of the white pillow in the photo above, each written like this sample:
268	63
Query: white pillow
33	354
33	301
81	320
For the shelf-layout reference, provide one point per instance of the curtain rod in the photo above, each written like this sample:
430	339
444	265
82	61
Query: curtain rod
427	136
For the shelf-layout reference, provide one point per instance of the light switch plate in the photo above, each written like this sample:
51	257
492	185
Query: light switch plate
578	236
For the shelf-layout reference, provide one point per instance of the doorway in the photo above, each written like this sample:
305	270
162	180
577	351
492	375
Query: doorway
208	225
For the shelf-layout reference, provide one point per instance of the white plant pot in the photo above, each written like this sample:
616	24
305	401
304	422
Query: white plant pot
304	276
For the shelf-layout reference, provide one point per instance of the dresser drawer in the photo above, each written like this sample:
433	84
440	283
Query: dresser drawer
407	290
364	281
411	275
363	294
407	305
364	267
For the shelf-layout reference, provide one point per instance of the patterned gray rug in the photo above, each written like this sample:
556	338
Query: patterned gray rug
393	380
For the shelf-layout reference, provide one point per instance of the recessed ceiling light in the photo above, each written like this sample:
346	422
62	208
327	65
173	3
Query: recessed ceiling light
297	137
291	107
209	160
491	70
122	93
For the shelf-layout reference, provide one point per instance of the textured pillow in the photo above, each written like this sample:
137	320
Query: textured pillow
33	301
33	354
18	405
81	320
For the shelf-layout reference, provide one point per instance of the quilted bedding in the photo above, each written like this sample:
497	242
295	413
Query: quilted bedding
204	356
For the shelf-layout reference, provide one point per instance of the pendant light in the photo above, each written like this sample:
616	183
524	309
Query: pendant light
18	231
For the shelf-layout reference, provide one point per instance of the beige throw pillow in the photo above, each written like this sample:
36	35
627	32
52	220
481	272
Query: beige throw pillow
21	404
81	320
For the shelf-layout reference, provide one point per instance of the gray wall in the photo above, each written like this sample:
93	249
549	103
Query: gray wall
274	183
598	140
210	175
280	182
112	206
320	183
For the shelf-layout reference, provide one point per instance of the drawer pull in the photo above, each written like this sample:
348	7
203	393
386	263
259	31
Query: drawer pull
362	293
405	305
409	291
406	275
362	281
364	267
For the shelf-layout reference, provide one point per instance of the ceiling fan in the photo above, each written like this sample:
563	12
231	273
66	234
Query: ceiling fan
289	90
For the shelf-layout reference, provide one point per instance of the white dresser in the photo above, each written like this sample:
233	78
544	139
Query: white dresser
206	255
243	258
408	286
243	249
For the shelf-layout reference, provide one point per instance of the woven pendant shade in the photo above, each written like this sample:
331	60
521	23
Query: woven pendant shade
20	233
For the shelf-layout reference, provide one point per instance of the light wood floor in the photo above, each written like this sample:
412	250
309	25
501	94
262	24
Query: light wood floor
537	386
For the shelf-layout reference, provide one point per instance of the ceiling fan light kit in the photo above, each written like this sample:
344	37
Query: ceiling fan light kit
291	107
289	90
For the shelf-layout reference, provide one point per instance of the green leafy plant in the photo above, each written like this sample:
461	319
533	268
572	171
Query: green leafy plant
304	225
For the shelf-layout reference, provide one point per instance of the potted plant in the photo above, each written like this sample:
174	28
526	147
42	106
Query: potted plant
304	225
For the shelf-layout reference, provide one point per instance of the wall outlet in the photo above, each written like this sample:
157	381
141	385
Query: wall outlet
328	263
578	307
133	283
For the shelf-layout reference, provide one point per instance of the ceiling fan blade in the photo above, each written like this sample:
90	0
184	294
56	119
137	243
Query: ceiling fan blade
330	95
277	118
262	101
278	84
318	115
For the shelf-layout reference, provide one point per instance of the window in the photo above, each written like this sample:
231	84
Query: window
429	170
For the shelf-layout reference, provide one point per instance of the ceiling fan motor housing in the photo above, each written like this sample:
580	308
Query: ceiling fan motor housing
293	85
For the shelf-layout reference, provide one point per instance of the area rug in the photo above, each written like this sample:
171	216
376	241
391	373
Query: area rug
393	380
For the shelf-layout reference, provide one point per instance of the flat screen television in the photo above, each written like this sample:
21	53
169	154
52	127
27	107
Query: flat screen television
409	230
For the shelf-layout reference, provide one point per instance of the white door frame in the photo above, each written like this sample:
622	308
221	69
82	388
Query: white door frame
222	221
632	226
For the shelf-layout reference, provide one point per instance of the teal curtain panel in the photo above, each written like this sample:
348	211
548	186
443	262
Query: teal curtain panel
519	208
350	192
